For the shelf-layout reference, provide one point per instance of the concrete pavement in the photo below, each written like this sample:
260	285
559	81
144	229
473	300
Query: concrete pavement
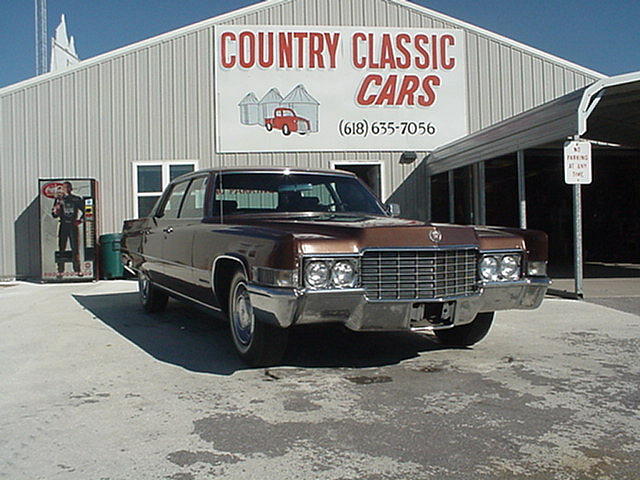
93	388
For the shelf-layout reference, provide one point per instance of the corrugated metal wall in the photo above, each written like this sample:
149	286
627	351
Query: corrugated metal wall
156	103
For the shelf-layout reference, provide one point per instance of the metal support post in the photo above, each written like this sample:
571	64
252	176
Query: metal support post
482	196
522	192
452	197
577	232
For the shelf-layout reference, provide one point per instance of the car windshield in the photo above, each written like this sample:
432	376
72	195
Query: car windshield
266	192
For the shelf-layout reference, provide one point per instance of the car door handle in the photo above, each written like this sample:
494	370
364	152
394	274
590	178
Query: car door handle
168	230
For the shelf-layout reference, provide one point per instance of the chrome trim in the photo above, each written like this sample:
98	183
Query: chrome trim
502	251
191	299
425	248
213	270
470	250
285	307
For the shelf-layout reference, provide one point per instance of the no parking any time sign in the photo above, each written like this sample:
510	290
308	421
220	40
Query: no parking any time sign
577	163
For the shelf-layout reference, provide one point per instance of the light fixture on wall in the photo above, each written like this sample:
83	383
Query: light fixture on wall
408	157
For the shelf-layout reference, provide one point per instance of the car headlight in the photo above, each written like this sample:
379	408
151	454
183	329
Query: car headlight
343	274
489	268
316	274
500	267
510	267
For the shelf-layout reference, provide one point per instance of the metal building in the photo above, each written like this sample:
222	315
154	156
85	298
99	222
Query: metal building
138	116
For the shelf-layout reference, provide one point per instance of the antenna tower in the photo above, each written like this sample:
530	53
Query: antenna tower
42	64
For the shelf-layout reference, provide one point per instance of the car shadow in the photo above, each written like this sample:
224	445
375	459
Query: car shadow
199	341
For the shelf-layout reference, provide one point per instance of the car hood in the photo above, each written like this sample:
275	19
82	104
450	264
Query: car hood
351	233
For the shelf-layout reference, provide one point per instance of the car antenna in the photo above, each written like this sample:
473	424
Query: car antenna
221	197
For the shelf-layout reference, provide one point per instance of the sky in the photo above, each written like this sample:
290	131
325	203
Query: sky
601	35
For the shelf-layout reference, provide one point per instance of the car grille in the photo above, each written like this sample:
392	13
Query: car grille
419	274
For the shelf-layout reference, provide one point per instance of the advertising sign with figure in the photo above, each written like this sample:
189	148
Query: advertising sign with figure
301	88
67	229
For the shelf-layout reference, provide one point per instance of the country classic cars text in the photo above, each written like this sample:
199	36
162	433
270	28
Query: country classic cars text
402	68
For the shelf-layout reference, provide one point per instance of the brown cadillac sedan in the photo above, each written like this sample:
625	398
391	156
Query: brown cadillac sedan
275	248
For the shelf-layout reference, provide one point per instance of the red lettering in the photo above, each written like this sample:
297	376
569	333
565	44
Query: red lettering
265	61
285	41
247	49
427	83
434	52
315	50
410	85
422	61
387	57
227	62
372	63
300	36
362	99
358	62
388	92
447	62
332	43
404	61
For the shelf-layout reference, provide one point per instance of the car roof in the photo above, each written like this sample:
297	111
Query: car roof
264	170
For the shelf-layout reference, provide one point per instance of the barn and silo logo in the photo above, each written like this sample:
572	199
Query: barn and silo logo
297	112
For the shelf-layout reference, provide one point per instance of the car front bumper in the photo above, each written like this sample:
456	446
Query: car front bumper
286	307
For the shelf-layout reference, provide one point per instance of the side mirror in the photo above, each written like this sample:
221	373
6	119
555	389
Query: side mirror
393	209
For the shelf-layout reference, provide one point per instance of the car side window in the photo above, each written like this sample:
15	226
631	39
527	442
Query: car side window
193	205
172	206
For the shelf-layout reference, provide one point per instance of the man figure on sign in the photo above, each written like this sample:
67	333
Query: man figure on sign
69	209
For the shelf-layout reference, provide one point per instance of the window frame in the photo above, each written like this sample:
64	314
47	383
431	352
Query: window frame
165	178
207	179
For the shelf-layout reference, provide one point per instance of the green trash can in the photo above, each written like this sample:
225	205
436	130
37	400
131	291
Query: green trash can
110	262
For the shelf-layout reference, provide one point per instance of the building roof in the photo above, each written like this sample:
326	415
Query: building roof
270	3
607	111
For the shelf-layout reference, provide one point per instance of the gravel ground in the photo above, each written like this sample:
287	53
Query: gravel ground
93	388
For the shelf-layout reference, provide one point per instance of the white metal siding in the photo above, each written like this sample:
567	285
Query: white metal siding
156	102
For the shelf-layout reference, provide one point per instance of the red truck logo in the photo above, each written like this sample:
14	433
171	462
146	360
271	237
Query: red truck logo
285	119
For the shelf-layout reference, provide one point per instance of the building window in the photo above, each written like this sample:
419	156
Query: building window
151	178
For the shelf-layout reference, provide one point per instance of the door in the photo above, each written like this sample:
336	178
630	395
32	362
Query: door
162	227
369	173
178	246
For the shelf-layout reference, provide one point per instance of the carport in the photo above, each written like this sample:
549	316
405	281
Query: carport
606	113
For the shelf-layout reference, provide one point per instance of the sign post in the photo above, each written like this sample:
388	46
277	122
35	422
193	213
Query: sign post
577	172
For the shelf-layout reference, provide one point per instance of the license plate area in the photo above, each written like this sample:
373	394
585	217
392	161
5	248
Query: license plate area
432	314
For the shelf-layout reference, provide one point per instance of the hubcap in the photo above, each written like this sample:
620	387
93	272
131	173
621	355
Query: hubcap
242	318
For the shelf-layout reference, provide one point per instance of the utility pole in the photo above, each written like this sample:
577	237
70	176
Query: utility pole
42	62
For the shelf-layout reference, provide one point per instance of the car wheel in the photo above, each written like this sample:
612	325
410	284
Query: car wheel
286	130
465	335
258	344
269	127
152	298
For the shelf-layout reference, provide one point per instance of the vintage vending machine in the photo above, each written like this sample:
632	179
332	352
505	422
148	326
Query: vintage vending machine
68	220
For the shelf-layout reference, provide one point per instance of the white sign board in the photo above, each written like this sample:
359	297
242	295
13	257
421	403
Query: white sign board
577	163
298	88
